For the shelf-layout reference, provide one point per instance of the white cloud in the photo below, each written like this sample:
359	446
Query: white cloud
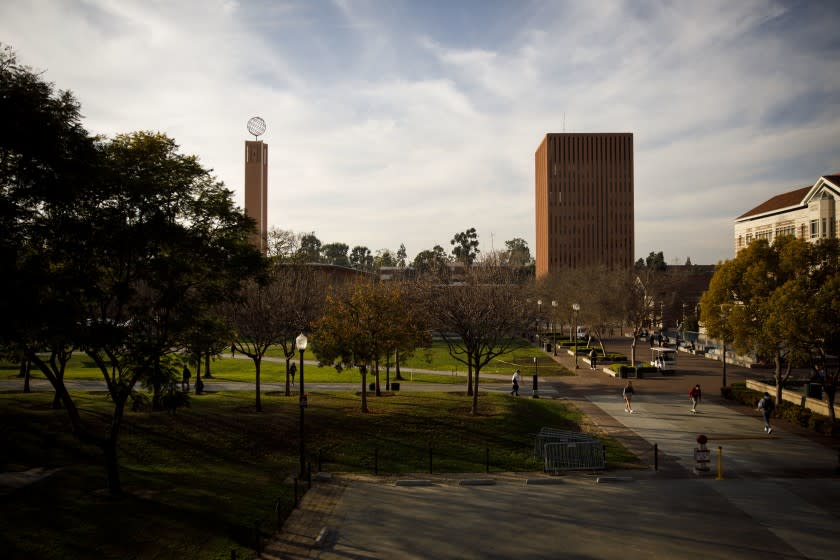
407	122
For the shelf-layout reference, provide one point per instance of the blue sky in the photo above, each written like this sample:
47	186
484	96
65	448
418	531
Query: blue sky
408	121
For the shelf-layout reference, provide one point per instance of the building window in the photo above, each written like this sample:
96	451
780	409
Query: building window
815	226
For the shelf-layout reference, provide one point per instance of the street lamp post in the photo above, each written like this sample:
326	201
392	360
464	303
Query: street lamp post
536	394
539	309
554	318
576	308
300	343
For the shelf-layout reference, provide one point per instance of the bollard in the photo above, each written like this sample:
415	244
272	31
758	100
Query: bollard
656	457
720	463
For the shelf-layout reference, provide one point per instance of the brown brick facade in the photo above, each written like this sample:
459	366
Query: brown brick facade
584	201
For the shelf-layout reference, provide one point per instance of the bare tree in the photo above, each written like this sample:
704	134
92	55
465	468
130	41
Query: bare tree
302	292
257	325
479	319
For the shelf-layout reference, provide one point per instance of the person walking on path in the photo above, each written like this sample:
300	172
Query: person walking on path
593	358
516	379
185	379
694	394
292	371
766	406
627	393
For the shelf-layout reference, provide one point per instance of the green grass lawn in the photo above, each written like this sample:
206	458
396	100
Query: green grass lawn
198	482
435	359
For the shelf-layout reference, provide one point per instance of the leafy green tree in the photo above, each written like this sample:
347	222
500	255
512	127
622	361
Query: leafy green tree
309	250
804	310
111	247
361	258
402	257
517	253
384	258
432	263
359	327
465	246
335	253
739	303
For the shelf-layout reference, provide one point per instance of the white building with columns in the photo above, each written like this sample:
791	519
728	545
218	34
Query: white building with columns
808	213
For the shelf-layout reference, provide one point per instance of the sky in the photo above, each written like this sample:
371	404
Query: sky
407	121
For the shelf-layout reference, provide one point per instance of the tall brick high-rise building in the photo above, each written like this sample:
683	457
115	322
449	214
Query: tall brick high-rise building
584	201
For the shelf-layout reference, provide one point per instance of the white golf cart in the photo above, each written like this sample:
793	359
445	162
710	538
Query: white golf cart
664	359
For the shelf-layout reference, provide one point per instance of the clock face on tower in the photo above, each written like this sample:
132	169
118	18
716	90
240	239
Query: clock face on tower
256	126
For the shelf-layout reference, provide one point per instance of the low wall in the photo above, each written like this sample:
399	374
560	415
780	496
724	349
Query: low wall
795	397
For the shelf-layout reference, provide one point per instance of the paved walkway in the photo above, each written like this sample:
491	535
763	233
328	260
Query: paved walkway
777	495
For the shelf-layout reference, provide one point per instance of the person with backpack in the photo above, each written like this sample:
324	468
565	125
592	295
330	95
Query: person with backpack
766	406
627	393
694	395
593	359
292	371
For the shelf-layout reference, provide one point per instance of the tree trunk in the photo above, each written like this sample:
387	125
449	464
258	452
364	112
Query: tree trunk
633	350
830	392
363	371
24	372
474	409
777	375
388	372
469	376
207	373
376	377
111	446
397	375
257	362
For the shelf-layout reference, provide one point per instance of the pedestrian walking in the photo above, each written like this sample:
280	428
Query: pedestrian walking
292	371
628	393
515	380
694	395
593	358
185	379
767	406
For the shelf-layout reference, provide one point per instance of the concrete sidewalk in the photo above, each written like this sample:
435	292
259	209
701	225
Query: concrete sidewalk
778	495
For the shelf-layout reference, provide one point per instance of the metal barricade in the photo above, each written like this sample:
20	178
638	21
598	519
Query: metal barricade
579	455
552	435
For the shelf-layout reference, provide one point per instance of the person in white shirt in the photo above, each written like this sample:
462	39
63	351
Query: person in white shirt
516	379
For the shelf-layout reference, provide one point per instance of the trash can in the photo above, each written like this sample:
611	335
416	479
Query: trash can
372	387
395	386
548	347
813	391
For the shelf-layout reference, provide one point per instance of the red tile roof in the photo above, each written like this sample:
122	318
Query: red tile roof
784	200
834	178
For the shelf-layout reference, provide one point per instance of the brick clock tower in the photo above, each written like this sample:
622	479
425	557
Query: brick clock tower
256	181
